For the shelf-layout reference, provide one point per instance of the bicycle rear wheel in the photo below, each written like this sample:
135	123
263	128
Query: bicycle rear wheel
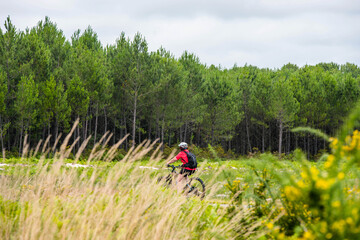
196	187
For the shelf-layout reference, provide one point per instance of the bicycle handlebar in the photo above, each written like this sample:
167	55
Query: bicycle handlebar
173	167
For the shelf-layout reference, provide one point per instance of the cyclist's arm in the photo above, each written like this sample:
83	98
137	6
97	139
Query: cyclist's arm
172	160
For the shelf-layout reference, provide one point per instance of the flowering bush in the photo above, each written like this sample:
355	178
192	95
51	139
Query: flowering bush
237	190
320	201
321	197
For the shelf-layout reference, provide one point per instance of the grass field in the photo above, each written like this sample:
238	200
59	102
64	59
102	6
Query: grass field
251	198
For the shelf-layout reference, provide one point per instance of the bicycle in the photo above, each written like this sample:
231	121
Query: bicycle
194	185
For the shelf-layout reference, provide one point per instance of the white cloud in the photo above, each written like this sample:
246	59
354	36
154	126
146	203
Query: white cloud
265	33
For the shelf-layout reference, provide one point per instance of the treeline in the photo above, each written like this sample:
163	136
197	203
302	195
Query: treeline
47	82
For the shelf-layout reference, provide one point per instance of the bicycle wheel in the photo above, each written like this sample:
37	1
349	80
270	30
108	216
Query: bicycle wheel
196	187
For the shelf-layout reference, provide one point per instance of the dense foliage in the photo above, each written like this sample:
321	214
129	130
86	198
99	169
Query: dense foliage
47	81
313	201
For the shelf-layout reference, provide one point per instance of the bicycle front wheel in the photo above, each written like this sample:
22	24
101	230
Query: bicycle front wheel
165	180
197	188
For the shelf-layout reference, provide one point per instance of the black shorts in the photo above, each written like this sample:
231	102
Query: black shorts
186	172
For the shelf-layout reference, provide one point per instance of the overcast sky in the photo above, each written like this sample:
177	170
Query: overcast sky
264	33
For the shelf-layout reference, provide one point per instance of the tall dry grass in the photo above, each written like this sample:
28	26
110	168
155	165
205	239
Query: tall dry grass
51	201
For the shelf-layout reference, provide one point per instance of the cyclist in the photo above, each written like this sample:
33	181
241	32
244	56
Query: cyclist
185	171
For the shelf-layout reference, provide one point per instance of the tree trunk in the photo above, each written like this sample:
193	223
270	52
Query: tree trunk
86	125
198	135
44	132
2	139
304	140
308	146
280	137
229	142
126	132
212	132
169	132
122	126
191	133
90	123
105	127
186	125
134	119
56	127
139	134
157	134
9	143
180	134
162	133
78	133
21	135
96	122
236	143
75	136
248	133
114	131
244	144
263	139
28	134
291	137
288	142
270	140
149	130
49	128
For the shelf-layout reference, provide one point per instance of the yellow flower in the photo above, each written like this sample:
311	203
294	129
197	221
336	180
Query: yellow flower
323	227
281	236
314	173
354	212
352	142
326	197
329	161
328	236
349	221
308	235
341	176
270	225
322	184
346	148
334	142
336	204
339	226
304	175
292	193
348	139
301	184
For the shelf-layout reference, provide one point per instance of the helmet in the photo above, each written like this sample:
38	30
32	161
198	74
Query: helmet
183	145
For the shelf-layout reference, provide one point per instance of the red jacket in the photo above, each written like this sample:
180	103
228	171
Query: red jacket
184	159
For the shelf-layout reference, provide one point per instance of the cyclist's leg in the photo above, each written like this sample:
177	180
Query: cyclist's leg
181	181
188	173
